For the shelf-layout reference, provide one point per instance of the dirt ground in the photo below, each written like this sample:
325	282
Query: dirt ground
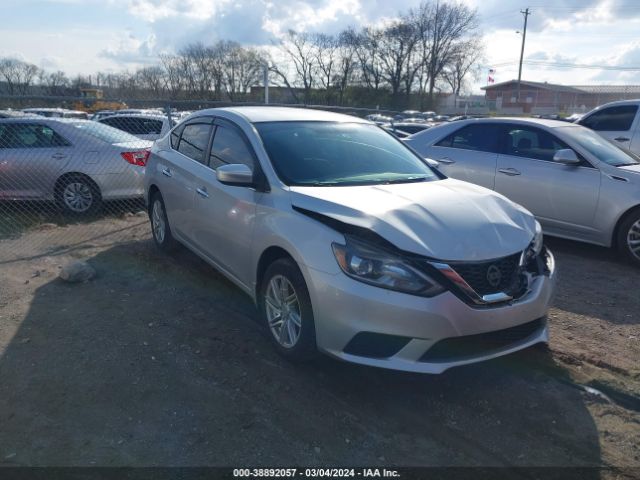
160	361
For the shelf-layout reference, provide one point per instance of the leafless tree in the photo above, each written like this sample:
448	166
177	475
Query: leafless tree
344	71
18	75
452	23
368	45
242	68
54	83
462	64
299	51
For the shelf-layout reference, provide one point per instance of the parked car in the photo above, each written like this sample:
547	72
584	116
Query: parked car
103	113
57	113
410	128
348	241
147	127
574	117
379	119
578	185
15	114
76	163
618	122
394	132
411	114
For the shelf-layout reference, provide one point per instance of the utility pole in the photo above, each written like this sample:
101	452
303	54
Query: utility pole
265	74
526	14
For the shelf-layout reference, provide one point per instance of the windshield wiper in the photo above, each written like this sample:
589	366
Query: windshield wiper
405	180
627	164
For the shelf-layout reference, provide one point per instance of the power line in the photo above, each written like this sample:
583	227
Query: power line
567	65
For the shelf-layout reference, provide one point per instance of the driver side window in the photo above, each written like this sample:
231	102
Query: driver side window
522	141
229	146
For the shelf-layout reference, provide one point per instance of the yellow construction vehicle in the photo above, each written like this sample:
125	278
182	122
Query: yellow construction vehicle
92	101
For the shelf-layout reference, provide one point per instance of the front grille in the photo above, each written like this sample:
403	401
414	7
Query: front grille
477	275
468	346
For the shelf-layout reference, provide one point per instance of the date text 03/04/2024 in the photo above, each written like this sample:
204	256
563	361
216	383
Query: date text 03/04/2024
315	473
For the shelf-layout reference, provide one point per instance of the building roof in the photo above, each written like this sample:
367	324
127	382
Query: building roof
588	89
545	85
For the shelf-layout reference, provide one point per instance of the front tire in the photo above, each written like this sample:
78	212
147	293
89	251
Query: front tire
285	307
629	237
160	228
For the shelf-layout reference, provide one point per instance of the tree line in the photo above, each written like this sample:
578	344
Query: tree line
402	63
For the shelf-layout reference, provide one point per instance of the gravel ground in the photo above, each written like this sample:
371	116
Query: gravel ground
160	361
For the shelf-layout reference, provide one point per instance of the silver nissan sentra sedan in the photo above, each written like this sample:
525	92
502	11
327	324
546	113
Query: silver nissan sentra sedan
349	243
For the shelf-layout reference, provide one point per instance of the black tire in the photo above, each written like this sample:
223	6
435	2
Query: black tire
164	242
629	230
304	348
78	195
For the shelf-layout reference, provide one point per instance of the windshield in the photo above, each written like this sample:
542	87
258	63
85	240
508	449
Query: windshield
104	132
333	153
600	148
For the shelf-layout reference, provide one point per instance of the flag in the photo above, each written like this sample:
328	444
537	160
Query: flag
490	77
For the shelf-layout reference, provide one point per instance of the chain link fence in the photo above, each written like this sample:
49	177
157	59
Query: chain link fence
70	173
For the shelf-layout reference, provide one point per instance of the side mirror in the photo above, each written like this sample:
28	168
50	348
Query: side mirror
566	156
432	163
235	174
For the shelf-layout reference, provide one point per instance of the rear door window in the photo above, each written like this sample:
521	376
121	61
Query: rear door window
611	119
194	141
27	135
481	138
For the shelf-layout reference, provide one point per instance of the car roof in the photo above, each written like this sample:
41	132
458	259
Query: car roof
31	119
523	120
148	116
284	114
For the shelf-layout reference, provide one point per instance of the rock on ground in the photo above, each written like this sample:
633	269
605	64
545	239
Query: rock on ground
77	271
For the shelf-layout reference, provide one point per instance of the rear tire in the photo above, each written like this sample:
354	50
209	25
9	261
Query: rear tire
285	308
78	195
628	240
160	228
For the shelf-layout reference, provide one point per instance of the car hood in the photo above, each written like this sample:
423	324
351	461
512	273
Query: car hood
446	219
631	168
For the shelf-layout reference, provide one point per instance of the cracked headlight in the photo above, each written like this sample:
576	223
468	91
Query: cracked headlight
368	264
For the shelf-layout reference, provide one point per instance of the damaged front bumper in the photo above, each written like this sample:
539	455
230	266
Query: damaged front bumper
364	324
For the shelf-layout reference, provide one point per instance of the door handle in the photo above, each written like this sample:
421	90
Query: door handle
446	160
509	171
167	172
202	192
621	139
59	156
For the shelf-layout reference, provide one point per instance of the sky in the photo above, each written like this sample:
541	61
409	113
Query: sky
85	36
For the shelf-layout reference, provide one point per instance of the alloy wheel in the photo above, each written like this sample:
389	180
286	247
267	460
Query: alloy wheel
283	311
77	197
157	221
633	239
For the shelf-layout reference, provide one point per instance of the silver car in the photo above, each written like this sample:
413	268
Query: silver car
577	184
147	127
76	163
348	242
